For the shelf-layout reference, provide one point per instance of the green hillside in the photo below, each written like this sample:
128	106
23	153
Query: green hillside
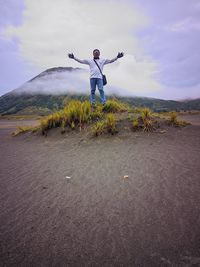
11	103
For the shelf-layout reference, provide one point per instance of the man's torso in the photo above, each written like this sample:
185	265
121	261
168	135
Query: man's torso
94	70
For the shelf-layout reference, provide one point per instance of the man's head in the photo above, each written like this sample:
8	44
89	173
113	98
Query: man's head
96	53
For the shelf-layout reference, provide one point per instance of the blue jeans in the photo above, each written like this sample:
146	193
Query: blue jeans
99	83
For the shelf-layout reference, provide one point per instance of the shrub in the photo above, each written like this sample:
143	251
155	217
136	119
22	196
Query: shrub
106	125
63	127
174	121
173	118
51	121
98	128
113	105
147	121
110	123
73	114
24	129
135	124
146	113
77	113
97	113
44	125
148	125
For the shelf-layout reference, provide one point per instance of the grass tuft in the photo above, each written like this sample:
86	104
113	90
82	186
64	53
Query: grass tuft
98	128
106	125
135	124
110	122
173	120
146	113
75	113
114	106
24	129
148	125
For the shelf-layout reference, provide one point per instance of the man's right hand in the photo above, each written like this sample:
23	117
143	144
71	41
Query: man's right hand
120	55
71	55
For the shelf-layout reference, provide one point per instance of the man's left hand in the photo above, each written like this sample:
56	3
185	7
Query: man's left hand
71	55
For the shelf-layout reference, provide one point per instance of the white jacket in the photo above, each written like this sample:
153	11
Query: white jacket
94	70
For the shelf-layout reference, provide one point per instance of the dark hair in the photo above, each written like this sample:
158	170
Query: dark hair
96	50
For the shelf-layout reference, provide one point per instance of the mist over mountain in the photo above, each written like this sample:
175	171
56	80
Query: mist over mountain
56	81
51	89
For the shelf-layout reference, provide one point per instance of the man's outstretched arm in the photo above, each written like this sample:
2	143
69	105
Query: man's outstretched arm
85	61
107	61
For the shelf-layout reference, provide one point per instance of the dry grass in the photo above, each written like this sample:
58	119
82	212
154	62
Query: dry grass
173	120
98	128
147	120
106	125
25	129
114	106
148	125
110	122
146	113
97	113
77	114
135	124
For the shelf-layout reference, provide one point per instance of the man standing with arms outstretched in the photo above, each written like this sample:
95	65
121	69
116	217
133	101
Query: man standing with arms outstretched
96	68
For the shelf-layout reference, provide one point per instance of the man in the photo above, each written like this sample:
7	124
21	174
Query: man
96	78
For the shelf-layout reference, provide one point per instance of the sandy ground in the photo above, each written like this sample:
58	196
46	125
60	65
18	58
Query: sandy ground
98	218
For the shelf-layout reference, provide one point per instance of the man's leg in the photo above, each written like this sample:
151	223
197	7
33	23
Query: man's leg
93	82
101	91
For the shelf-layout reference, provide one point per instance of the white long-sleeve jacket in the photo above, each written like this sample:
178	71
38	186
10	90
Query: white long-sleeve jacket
94	70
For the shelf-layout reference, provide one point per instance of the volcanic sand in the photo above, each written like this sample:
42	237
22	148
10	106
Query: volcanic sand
65	201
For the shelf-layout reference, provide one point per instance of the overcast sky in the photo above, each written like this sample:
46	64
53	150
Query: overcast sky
160	40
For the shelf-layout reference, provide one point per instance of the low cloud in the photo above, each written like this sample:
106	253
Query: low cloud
77	82
56	83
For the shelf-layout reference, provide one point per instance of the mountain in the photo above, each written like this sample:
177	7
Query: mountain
51	89
44	93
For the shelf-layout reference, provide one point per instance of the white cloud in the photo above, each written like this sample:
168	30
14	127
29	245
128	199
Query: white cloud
57	83
51	29
130	77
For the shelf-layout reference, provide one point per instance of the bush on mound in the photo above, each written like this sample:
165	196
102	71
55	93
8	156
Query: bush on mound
113	106
77	114
145	121
106	125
